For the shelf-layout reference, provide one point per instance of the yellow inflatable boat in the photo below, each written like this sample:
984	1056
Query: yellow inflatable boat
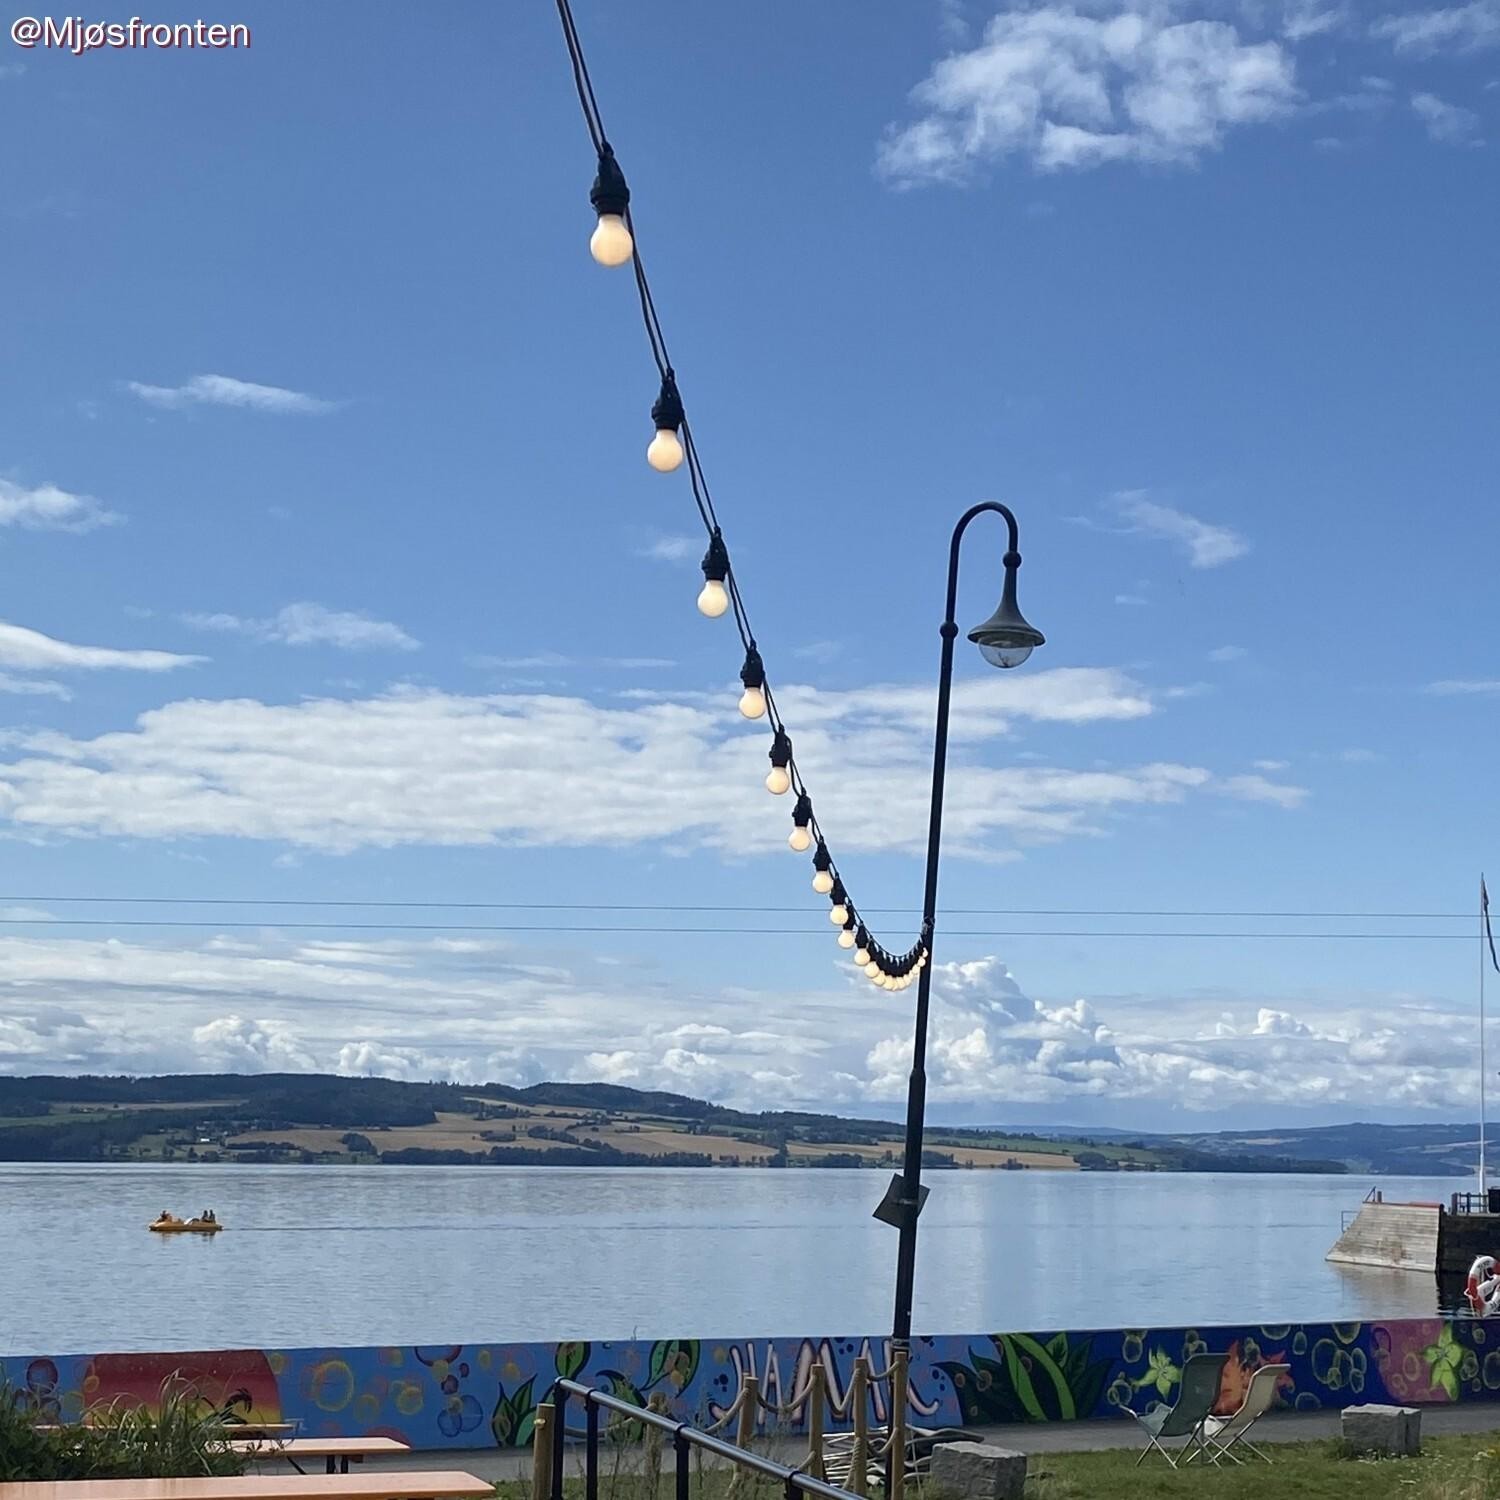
167	1224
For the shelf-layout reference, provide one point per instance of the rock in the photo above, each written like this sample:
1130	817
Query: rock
977	1471
1392	1430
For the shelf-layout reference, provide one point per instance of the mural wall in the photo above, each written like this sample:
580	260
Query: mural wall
483	1395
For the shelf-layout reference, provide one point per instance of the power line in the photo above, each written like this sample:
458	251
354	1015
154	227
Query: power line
610	906
657	931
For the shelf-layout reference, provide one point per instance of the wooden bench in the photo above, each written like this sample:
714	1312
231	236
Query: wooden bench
334	1450
395	1484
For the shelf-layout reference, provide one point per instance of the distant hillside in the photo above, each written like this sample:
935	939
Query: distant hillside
316	1118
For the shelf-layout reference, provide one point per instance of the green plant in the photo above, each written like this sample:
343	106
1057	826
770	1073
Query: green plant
181	1436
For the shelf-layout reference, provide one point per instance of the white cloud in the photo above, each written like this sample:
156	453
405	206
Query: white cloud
1259	789
1228	653
1270	765
1063	87
1461	687
474	1010
424	767
1448	124
48	508
1305	18
30	650
222	390
673	548
308	624
34	687
1457	28
1133	600
1207	546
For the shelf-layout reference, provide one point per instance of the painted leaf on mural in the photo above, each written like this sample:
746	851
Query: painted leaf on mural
1031	1382
675	1360
571	1358
624	1428
514	1416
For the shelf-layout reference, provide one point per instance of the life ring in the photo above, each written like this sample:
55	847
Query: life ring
1483	1288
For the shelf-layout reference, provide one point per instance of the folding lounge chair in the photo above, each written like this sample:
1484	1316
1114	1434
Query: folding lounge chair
1222	1434
1196	1394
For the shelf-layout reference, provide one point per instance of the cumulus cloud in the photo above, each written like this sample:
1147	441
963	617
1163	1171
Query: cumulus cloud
223	390
1076	87
30	650
307	624
425	767
45	507
473	1010
1206	545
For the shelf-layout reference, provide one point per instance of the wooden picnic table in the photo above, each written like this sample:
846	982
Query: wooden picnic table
394	1484
335	1450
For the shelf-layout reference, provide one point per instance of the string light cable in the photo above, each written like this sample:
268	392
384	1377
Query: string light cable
615	243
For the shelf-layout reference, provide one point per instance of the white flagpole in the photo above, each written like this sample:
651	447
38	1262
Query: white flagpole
1483	1205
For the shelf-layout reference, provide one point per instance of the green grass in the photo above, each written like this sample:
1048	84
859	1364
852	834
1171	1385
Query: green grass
1451	1468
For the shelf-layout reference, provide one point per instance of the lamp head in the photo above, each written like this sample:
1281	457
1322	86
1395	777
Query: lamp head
1007	638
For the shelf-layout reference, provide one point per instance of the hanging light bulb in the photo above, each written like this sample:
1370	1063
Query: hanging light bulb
871	969
862	946
665	451
800	839
610	244
714	599
822	871
779	777
838	913
753	675
846	938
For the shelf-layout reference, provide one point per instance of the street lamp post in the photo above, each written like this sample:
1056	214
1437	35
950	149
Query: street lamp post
1004	640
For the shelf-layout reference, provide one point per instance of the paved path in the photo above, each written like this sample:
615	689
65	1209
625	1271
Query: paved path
1045	1437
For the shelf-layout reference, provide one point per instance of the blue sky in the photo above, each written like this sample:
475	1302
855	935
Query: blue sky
317	409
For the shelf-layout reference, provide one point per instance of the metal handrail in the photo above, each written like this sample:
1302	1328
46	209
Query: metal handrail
685	1437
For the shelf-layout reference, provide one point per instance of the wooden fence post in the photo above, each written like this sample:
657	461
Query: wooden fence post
657	1403
817	1402
859	1399
744	1432
541	1451
898	1423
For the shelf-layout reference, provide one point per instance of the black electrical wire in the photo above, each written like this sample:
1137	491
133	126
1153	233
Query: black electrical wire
702	496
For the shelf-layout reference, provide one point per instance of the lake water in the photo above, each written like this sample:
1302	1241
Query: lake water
436	1255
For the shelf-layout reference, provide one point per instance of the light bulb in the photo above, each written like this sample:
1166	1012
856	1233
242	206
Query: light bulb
778	780
610	244
714	599
753	703
861	956
846	939
799	841
665	452
823	882
839	914
871	969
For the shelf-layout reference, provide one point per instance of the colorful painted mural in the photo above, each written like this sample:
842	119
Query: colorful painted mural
485	1395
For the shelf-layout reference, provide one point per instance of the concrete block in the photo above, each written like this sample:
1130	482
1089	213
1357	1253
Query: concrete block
1392	1430
977	1471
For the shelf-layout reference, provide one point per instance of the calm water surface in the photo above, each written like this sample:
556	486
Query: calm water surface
434	1255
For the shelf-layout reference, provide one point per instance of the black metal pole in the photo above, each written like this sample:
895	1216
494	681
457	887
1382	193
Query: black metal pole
916	1093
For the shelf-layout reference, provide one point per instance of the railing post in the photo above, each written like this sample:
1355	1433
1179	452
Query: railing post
591	1455
859	1399
897	1471
541	1452
816	1402
559	1435
684	1488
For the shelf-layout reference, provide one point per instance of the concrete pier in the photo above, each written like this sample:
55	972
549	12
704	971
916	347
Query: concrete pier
1399	1236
